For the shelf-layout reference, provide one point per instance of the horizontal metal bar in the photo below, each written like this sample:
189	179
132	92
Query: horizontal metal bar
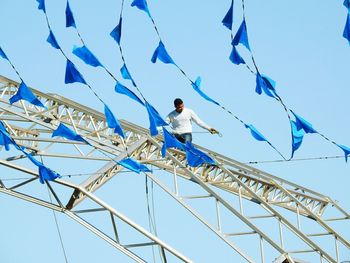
301	251
195	196
258	217
319	234
240	233
73	156
90	210
141	244
337	219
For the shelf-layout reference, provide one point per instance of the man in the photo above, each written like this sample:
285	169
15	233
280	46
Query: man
181	119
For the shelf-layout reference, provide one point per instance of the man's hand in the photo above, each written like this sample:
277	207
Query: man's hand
213	131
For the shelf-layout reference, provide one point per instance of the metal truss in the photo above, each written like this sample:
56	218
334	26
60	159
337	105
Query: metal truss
287	206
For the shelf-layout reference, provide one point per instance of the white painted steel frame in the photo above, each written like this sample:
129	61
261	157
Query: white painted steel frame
231	176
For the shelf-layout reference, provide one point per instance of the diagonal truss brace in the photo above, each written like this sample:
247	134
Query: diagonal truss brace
114	242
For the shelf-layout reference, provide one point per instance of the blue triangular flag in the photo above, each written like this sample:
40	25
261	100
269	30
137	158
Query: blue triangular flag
112	122
86	55
155	119
45	173
2	54
301	123
235	57
170	142
52	40
116	33
69	17
119	88
196	157
5	138
265	84
297	137
346	32
241	36
255	133
41	5
4	141
133	165
72	74
161	54
346	151
24	93
142	5
227	21
196	87
125	72
63	131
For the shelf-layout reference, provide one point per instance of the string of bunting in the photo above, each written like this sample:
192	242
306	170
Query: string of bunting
90	59
72	74
24	93
162	54
45	173
299	126
194	156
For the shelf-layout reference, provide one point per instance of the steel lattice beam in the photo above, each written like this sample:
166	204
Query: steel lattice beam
32	127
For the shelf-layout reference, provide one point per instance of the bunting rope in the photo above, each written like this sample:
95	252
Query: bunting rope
299	127
89	58
45	173
162	54
71	22
125	73
72	74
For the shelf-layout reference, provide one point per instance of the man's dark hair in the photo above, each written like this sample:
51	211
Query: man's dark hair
178	102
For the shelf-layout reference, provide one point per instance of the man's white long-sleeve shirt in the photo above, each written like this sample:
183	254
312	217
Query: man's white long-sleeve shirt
182	122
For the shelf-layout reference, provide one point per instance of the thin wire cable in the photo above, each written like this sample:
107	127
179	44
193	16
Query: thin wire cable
321	158
150	222
58	230
297	160
56	222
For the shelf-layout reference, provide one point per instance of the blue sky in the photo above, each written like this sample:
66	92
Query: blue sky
299	44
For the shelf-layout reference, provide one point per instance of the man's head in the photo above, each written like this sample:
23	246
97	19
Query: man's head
179	105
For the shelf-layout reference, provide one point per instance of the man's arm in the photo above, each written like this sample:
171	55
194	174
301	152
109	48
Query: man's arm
199	122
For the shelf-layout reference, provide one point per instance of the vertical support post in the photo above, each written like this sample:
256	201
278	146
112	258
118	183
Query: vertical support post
114	228
262	249
163	255
240	199
218	214
281	233
336	249
175	182
298	217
